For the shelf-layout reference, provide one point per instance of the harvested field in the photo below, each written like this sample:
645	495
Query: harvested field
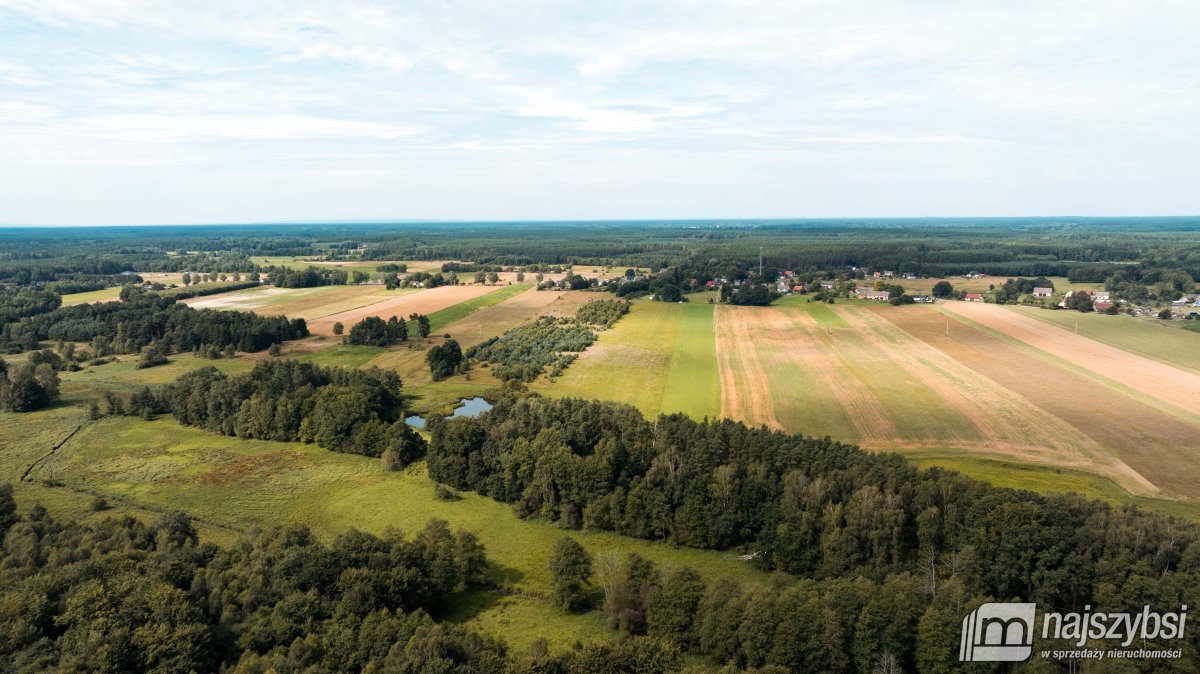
1157	447
421	302
1156	379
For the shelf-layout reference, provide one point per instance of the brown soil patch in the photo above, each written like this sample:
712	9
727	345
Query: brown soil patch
421	302
745	386
1154	378
1159	447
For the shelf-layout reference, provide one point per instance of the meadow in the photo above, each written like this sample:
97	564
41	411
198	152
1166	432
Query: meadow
231	485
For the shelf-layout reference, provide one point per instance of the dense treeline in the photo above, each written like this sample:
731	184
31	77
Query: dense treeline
309	277
25	302
346	410
817	508
144	318
121	595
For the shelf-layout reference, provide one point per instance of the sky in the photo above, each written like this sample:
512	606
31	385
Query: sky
138	112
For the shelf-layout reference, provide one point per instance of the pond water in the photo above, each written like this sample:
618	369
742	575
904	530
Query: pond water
467	407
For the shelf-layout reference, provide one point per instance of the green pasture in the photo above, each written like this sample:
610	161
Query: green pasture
232	485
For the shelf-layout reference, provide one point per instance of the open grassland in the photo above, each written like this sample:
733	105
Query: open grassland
103	295
231	485
1151	377
124	373
1161	340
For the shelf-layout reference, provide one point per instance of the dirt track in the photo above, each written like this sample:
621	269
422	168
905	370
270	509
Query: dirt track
1158	380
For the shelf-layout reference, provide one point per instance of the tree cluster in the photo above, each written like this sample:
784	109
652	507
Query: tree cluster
144	318
27	387
346	410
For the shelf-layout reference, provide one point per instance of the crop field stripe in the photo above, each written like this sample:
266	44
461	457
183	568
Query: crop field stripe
1149	447
693	385
1166	344
443	317
1169	384
745	386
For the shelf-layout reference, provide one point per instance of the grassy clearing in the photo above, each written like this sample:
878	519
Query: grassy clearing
233	484
1153	339
102	295
124	374
345	355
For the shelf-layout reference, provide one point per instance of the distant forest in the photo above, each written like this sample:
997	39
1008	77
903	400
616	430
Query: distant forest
1083	248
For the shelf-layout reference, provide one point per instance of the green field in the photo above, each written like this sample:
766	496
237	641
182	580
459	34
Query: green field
1160	340
231	485
1048	480
692	385
102	295
659	358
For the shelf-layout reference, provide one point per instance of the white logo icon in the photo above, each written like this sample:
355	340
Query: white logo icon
998	633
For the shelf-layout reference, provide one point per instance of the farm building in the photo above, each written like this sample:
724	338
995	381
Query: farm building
973	297
828	285
1102	296
1102	306
877	295
922	299
1043	292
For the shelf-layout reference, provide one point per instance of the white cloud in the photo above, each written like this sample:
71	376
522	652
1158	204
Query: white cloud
964	88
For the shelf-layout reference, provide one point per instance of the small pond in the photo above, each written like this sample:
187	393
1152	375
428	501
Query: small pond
467	407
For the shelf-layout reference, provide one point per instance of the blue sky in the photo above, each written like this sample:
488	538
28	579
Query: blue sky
127	111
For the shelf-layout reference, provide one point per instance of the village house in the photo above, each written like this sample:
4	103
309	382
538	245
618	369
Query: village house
828	285
1102	306
1043	292
1102	296
922	299
876	295
973	297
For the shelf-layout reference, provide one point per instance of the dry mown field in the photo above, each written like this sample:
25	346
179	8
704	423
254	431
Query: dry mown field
420	302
